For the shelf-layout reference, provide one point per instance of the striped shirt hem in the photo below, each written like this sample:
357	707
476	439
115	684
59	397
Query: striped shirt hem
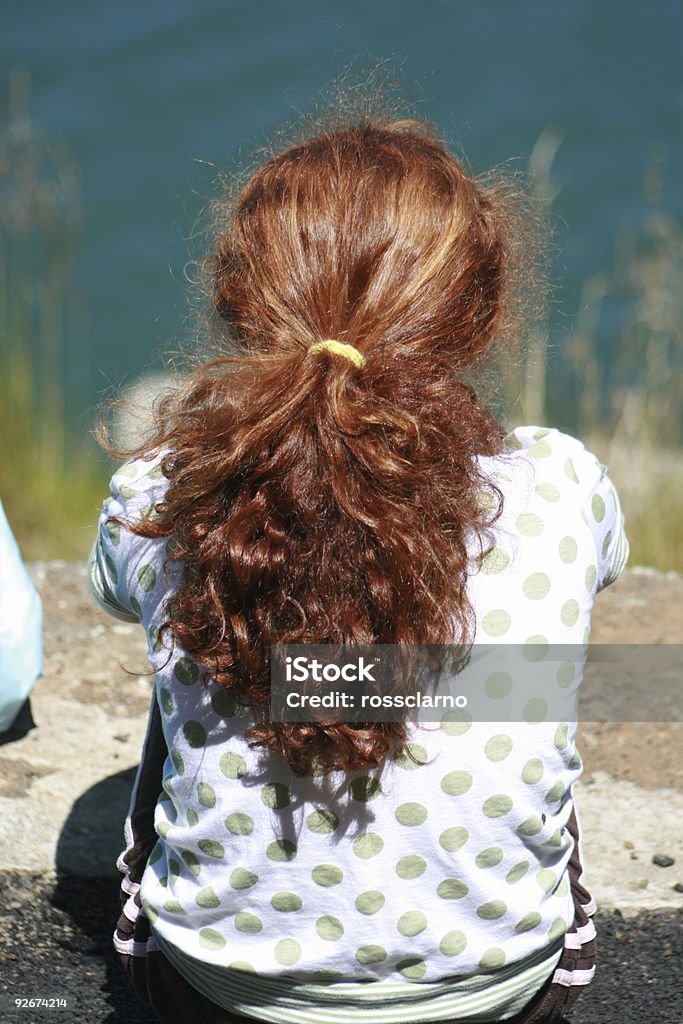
479	998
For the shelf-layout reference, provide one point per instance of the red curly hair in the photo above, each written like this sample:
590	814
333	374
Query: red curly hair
310	500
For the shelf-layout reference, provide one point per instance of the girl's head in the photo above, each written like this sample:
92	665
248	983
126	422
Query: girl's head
313	500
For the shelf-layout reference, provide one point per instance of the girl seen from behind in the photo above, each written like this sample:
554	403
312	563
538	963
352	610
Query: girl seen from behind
330	476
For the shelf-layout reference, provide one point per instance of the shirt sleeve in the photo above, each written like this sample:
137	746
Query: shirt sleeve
119	556
601	509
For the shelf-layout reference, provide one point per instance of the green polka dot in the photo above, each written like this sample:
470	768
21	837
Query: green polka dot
569	613
456	722
498	685
561	736
566	673
192	817
555	793
496	622
548	491
174	907
563	888
370	902
370	954
329	927
287	951
555	839
536	647
367	845
327	875
532	771
276	795
411	814
286	902
239	823
412	922
606	543
530	827
192	862
241	965
194	733
211	848
454	839
243	879
498	747
365	788
413	752
529	921
540	450
453	943
570	471
535	710
492	958
114	531
111	568
281	850
249	923
209	938
495	561
155	854
529	524
147	577
150	912
456	783
452	889
127	492
492	911
224	703
163	828
575	762
546	879
517	872
155	639
568	549
557	929
207	898
536	586
135	605
233	765
322	821
206	795
591	576
166	701
186	672
489	857
498	805
412	968
411	866
598	508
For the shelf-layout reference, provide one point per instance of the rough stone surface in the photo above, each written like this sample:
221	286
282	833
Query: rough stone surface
64	788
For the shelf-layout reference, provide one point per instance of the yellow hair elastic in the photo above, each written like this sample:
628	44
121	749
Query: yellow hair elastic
339	348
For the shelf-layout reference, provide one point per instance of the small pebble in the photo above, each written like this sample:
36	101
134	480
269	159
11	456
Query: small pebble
634	856
662	861
628	845
678	887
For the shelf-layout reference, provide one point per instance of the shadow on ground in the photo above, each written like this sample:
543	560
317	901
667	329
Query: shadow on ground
57	937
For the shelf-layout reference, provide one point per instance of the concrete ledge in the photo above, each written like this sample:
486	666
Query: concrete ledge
65	785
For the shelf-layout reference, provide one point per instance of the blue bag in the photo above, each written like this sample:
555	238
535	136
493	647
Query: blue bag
21	621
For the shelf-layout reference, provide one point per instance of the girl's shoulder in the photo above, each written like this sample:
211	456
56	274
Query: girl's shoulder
571	479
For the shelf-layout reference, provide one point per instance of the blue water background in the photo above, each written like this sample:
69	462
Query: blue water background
152	97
